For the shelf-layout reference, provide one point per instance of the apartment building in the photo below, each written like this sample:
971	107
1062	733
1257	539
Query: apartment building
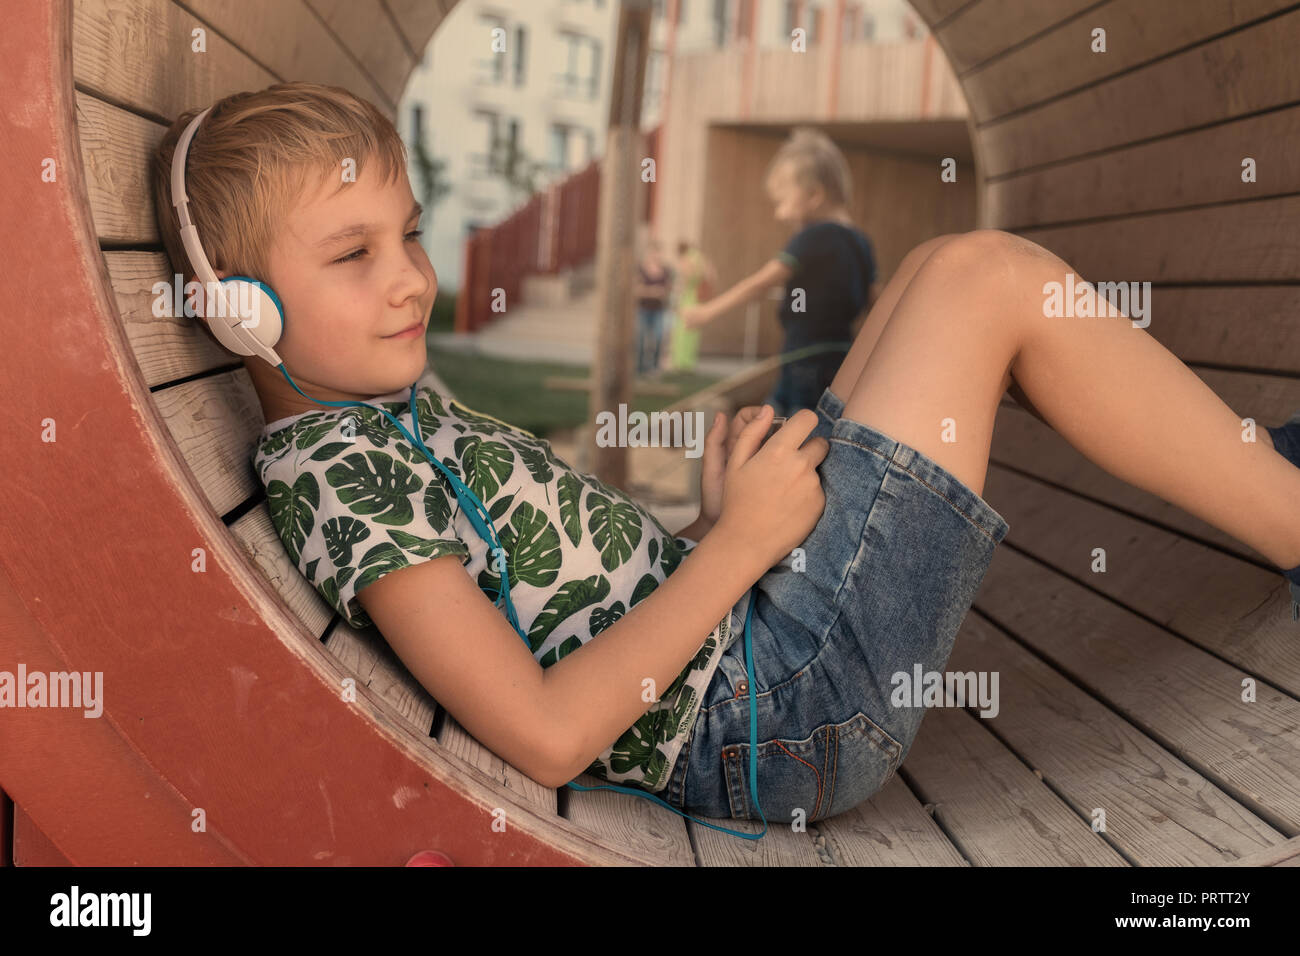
514	94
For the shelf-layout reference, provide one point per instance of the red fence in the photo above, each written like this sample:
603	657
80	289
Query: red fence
553	231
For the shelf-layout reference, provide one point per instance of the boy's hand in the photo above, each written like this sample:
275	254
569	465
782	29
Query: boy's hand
743	417
718	444
713	469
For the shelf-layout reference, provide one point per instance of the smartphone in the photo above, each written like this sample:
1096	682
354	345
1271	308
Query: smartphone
777	422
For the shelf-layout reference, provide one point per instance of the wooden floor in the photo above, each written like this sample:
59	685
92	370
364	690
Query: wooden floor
1120	693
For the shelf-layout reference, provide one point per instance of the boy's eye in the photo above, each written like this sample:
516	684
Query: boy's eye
353	256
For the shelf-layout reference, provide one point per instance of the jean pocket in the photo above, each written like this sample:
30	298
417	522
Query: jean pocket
829	772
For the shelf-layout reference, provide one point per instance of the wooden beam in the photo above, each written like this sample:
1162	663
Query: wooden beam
621	196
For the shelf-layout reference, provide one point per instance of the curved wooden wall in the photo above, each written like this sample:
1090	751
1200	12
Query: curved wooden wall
1128	163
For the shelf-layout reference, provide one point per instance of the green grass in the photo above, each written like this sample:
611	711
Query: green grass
513	391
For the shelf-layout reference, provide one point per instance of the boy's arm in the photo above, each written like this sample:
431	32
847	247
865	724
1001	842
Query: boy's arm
600	689
696	530
773	272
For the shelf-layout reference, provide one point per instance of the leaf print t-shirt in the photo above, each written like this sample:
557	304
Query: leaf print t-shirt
352	500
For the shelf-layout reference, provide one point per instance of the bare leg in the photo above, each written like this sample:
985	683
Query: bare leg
856	359
846	379
972	318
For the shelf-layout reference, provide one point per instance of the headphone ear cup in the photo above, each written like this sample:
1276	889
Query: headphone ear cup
253	317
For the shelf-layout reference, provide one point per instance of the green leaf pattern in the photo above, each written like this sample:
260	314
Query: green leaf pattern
352	499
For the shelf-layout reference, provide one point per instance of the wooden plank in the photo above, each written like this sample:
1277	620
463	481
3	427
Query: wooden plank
1243	242
1196	168
262	544
621	819
780	846
168	347
457	740
214	422
367	656
1233	609
292	43
372	39
1285	853
115	150
890	829
1061	60
118	45
1187	700
993	807
1206	84
980	32
1159	811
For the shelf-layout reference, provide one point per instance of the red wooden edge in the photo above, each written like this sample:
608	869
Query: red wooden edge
215	707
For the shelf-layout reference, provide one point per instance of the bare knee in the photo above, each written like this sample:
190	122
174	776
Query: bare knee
922	250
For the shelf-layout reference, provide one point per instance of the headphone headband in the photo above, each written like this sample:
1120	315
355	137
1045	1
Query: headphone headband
229	329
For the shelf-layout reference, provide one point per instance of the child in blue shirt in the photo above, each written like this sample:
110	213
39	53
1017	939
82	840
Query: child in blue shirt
828	266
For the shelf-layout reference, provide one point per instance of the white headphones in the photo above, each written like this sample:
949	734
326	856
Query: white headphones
259	326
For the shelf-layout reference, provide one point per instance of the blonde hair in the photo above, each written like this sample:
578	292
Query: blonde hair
816	161
252	156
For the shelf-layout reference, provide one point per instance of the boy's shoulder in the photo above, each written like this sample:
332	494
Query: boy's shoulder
317	440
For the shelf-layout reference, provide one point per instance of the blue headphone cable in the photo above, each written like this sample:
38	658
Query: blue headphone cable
476	512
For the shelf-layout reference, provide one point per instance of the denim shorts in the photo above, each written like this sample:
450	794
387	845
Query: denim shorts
881	588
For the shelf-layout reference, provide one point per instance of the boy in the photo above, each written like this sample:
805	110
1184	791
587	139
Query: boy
828	265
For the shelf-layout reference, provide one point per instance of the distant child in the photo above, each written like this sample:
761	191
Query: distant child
697	277
653	288
829	268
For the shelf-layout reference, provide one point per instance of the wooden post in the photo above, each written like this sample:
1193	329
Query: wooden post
621	196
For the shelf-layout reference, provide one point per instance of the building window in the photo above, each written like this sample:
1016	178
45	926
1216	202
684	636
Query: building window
559	148
849	29
719	23
590	138
510	148
521	53
492	66
654	69
582	66
791	19
483	163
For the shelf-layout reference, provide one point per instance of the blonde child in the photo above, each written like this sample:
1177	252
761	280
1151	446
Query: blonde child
828	266
630	667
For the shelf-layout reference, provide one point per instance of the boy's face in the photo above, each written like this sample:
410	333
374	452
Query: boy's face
793	204
345	296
